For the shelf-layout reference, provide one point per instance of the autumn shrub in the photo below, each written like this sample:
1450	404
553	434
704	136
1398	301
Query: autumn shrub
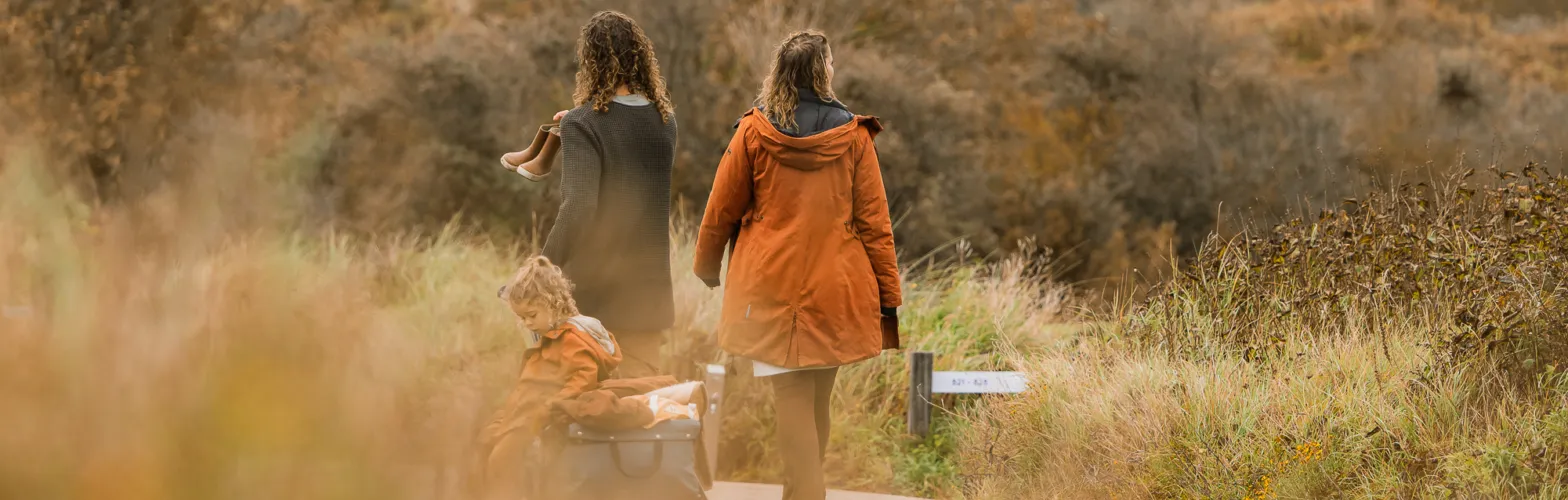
114	86
1511	8
1117	133
1478	264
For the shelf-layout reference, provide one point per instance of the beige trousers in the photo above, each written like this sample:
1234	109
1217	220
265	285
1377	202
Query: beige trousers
801	400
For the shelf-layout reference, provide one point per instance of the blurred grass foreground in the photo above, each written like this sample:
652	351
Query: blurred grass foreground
144	361
149	358
1244	249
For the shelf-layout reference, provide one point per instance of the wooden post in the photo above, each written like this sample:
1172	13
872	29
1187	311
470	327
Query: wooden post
920	393
713	381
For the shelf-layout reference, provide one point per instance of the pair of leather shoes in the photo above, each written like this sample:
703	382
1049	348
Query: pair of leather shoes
535	162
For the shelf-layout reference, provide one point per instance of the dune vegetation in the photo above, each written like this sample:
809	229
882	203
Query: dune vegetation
1243	249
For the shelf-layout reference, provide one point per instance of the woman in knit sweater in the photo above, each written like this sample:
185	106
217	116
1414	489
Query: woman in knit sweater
611	236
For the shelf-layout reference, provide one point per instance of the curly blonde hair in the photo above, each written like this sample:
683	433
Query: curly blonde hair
800	61
613	51
539	281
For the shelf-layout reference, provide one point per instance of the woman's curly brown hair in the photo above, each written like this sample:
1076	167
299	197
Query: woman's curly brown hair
613	51
539	281
800	61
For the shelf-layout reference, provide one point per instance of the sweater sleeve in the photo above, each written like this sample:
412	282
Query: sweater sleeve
728	201
581	167
874	224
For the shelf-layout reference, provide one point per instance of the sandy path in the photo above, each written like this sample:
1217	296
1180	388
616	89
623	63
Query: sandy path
748	491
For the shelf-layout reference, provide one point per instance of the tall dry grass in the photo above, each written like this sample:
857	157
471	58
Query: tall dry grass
971	315
204	343
188	364
1343	419
1409	345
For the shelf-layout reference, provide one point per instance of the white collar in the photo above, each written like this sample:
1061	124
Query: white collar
632	100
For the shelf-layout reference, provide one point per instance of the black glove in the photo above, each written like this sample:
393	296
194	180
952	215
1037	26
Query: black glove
891	312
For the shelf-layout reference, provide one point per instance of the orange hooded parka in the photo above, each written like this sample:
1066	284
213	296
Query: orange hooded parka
812	262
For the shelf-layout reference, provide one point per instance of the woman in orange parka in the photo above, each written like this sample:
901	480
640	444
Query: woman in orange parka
813	271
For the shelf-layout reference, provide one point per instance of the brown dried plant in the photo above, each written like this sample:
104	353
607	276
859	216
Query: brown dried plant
1481	267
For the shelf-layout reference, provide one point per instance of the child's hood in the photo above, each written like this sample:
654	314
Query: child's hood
594	328
593	333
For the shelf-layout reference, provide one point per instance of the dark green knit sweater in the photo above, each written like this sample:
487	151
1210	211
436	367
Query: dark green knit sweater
612	235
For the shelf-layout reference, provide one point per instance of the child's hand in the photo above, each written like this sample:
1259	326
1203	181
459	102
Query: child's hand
562	113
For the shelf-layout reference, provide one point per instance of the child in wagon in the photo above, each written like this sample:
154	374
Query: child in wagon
568	354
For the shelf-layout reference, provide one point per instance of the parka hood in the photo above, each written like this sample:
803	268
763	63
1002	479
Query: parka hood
812	152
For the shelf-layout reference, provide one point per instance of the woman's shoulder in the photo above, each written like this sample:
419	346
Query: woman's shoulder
742	122
588	117
578	115
871	124
834	114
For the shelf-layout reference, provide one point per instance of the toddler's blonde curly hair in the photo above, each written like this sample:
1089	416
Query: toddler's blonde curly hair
539	281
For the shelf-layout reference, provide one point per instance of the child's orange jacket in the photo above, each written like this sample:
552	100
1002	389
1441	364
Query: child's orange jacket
569	360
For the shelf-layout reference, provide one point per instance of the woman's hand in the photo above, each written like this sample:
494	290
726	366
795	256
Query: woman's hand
561	114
